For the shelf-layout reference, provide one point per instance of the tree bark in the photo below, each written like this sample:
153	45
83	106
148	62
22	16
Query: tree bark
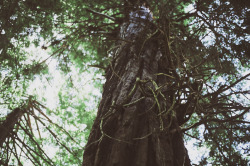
7	126
135	123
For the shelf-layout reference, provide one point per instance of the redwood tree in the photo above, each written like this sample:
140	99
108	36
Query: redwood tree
8	125
176	76
137	122
154	86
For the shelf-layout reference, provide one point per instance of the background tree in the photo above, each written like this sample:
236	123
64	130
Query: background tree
208	44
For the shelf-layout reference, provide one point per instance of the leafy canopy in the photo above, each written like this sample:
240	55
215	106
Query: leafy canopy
211	40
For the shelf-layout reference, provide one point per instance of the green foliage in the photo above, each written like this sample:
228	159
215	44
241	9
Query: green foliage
212	41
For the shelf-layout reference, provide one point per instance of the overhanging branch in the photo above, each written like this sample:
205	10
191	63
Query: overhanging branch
100	14
204	121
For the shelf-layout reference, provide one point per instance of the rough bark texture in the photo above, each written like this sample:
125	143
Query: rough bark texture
6	128
135	124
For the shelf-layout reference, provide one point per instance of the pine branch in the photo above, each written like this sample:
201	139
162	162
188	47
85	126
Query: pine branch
101	14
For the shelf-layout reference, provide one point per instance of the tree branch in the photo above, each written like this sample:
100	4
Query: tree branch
101	14
224	88
203	121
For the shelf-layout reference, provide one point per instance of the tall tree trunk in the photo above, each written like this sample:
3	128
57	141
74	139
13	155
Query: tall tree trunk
7	126
136	124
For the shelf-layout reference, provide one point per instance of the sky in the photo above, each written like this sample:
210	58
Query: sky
47	89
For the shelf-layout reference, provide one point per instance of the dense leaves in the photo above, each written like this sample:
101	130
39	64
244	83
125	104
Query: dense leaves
208	41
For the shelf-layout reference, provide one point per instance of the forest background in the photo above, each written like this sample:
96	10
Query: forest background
53	59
